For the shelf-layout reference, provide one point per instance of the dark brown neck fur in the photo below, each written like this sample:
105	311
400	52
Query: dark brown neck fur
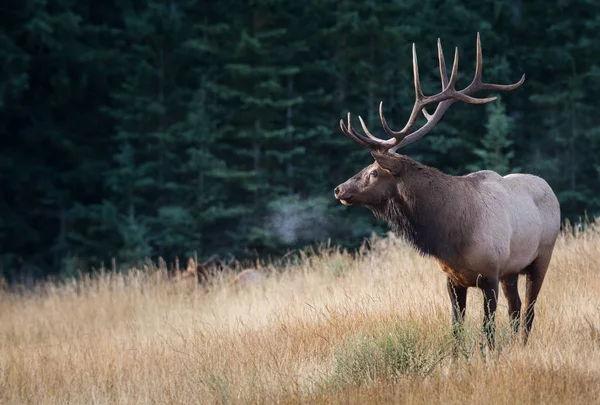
427	210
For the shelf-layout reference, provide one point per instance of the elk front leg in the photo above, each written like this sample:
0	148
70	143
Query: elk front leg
458	297
490	301
510	286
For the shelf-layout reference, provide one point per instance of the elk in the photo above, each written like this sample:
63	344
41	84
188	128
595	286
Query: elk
246	278
203	272
198	271
484	229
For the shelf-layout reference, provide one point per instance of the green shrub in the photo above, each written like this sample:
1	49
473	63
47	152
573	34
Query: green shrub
404	351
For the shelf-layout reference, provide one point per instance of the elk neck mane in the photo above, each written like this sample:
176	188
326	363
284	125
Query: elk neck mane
432	210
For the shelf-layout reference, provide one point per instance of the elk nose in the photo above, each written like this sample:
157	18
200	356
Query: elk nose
336	192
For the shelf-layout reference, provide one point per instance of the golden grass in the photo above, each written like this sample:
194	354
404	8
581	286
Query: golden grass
330	329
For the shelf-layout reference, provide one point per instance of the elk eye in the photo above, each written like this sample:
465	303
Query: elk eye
373	173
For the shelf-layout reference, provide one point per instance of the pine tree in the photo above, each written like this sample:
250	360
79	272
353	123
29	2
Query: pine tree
496	152
148	111
48	103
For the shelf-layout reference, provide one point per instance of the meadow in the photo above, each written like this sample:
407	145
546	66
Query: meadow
323	327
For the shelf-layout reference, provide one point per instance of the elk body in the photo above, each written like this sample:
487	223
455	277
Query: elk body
247	278
484	229
202	273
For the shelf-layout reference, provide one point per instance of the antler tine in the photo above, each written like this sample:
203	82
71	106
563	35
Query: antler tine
384	123
479	59
373	142
478	84
450	91
353	132
426	114
443	73
420	102
360	140
367	132
418	92
443	76
454	73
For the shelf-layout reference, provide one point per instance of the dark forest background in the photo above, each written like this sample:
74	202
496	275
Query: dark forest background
134	129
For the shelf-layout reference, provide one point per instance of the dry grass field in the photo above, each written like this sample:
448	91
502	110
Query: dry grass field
329	328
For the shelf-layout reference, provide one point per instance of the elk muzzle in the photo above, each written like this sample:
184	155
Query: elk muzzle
343	194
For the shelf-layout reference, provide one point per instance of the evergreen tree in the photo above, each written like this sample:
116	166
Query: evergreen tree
497	152
148	110
562	123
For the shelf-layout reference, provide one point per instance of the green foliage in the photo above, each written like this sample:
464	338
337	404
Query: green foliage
404	351
407	350
177	128
497	143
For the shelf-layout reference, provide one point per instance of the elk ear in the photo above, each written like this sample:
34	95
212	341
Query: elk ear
388	161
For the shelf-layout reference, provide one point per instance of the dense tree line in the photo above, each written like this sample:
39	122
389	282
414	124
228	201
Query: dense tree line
159	128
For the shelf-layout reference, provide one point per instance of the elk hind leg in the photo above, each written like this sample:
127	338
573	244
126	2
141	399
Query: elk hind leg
535	273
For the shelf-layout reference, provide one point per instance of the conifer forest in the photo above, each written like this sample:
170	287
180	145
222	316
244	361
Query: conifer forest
172	128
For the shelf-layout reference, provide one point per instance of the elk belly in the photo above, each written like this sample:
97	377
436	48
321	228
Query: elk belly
460	276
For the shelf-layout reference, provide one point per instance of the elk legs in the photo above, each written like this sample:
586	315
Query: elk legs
490	301
510	287
458	298
536	272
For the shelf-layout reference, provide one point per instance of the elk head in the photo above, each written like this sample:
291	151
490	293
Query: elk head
372	184
379	181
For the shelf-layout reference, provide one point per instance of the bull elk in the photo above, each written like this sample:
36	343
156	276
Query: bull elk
483	229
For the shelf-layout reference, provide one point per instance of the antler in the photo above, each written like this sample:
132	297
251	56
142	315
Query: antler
448	96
